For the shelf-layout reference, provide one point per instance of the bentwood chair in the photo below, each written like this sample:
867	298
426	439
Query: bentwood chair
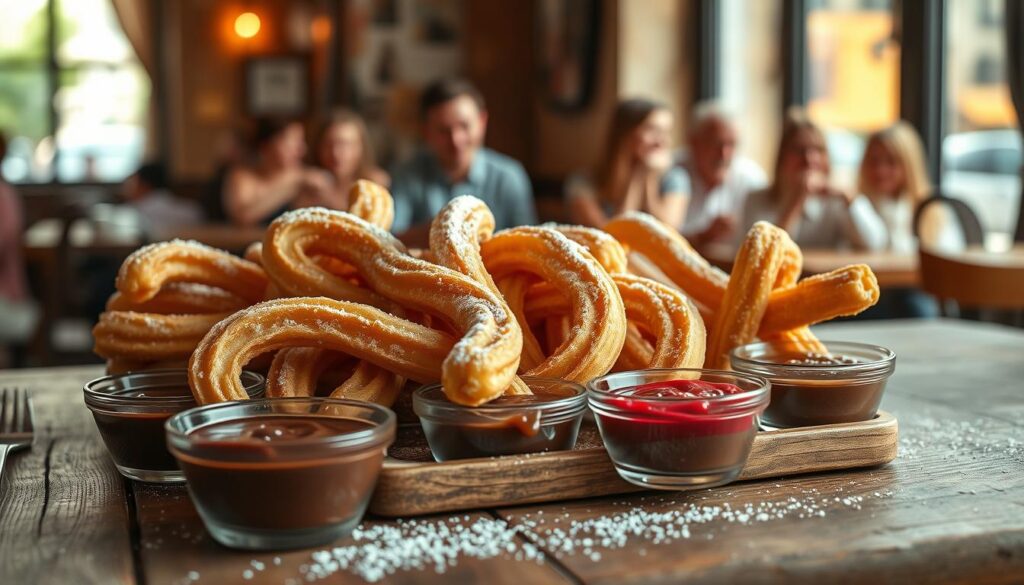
982	285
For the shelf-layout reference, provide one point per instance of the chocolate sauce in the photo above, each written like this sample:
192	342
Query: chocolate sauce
692	435
798	403
479	433
821	359
810	403
468	441
246	472
842	384
136	439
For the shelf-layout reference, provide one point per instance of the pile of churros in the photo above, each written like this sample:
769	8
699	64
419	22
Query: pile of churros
331	303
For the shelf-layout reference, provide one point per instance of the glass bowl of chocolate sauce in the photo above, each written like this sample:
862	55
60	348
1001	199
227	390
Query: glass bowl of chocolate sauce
547	420
678	429
281	473
130	411
843	385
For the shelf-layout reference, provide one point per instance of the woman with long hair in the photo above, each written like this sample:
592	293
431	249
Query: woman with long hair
635	171
894	178
276	178
343	149
802	201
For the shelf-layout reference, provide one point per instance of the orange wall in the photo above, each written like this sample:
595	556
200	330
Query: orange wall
205	75
571	141
642	52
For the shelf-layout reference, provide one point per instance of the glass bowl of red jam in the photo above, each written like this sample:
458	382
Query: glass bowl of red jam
547	420
678	429
844	385
281	473
130	411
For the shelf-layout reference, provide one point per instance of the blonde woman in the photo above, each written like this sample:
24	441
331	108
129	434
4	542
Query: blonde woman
894	179
803	202
343	149
635	172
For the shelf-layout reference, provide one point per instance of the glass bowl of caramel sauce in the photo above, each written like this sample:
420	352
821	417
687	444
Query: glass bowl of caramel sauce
546	420
844	384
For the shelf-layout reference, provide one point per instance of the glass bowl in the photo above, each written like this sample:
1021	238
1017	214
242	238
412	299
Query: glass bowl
281	473
846	385
547	420
130	411
678	429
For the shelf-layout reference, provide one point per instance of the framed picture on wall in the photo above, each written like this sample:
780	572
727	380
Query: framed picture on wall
567	33
277	86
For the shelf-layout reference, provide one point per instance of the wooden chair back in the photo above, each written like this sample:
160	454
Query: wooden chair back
965	217
992	281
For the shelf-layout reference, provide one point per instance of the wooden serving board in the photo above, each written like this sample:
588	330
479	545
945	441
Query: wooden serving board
412	483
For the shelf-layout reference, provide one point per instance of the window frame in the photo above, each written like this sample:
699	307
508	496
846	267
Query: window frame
708	55
53	69
921	29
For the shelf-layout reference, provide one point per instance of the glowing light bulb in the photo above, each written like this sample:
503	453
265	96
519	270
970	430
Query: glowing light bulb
247	25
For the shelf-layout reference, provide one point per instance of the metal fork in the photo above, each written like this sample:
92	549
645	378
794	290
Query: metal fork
16	428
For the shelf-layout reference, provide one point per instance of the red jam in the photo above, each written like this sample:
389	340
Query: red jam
709	427
701	408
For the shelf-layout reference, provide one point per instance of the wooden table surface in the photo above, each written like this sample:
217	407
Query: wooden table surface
949	509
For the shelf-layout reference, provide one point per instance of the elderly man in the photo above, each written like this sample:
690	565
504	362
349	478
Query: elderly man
720	179
455	162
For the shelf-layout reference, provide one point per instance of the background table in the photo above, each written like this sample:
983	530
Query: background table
62	266
1010	258
892	269
949	509
43	237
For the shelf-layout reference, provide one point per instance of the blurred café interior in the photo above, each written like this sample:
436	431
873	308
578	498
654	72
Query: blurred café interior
882	131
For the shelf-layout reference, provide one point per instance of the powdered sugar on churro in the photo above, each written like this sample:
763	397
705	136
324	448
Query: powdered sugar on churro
463	222
321	216
668	247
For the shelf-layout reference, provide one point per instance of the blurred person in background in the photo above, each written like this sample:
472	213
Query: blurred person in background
18	312
147	192
803	202
720	179
230	152
453	162
343	149
634	172
277	179
894	178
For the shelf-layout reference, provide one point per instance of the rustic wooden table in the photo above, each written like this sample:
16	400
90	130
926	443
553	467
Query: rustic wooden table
949	509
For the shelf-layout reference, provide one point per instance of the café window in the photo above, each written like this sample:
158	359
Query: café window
750	73
981	148
73	95
853	76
